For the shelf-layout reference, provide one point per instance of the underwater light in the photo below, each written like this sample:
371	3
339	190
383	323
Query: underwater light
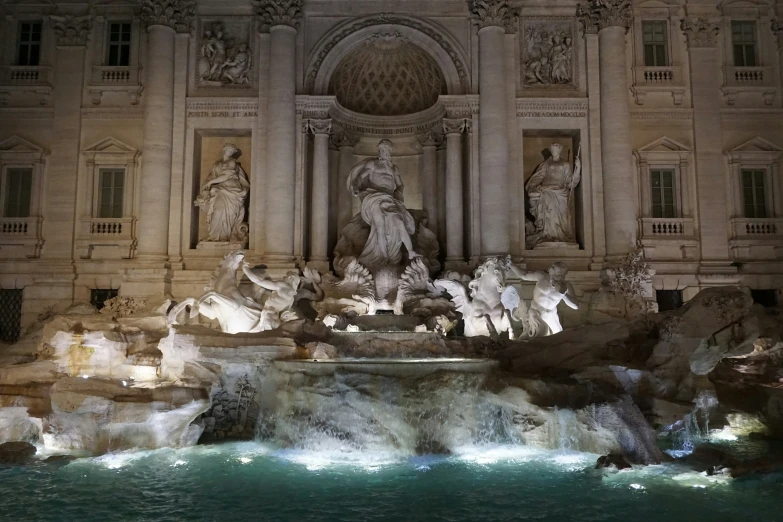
636	486
85	376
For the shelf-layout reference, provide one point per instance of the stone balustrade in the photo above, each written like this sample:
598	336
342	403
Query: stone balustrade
757	228
120	228
18	227
24	75
741	76
663	228
105	75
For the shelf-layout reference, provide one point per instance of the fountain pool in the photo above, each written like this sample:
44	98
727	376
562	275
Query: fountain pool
256	481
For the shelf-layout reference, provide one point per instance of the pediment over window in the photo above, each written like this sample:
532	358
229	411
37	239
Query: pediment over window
17	147
111	147
662	148
757	144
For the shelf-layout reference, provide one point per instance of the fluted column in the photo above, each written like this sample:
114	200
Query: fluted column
455	250
429	177
319	207
705	71
281	18
344	142
612	18
491	17
777	30
163	18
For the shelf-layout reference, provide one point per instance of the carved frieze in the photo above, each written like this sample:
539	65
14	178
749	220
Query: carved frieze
225	53
548	54
552	108
177	14
701	32
71	30
600	14
279	12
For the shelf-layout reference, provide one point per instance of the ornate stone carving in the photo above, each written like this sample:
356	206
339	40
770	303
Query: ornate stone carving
342	138
223	199
387	76
777	29
223	60
481	303
454	126
386	19
430	138
279	12
600	14
700	32
71	30
177	14
547	53
488	13
540	318
550	191
319	126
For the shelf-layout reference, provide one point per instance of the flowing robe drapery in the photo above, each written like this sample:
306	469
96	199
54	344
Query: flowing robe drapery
226	204
549	190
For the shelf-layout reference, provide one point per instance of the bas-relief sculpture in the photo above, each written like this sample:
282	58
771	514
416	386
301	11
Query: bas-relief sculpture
222	61
547	50
223	197
550	191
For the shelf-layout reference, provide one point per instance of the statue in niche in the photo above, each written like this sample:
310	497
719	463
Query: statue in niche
548	51
541	318
550	191
222	61
223	197
377	183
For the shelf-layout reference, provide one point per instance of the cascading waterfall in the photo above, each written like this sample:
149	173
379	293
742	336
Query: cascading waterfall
695	426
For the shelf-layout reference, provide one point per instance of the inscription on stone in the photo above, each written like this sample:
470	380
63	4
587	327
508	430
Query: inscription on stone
222	114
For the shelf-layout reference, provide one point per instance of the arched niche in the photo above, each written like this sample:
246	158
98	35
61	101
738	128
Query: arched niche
339	42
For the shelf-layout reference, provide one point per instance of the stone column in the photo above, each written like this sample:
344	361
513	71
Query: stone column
612	18
59	209
163	18
705	71
491	17
455	248
429	177
344	142
319	193
777	30
281	17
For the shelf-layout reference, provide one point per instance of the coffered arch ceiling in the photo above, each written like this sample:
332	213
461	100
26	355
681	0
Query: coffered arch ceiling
387	75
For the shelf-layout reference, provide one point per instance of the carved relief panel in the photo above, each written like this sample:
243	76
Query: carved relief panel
225	53
548	53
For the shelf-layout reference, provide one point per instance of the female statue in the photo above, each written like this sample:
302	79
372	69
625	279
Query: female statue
223	199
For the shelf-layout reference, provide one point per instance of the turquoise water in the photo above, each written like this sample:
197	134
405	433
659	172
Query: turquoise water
251	481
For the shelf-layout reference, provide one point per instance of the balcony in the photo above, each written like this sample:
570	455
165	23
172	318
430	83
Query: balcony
757	238
658	79
109	78
20	237
668	238
112	237
757	228
25	78
749	79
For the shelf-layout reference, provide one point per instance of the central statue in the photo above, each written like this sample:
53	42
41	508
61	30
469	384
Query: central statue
377	183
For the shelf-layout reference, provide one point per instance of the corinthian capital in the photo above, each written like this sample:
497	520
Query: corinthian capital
341	138
701	32
454	126
71	30
489	13
177	14
430	138
600	14
279	12
319	126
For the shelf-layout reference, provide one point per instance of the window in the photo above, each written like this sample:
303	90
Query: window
654	41
668	299
119	44
753	193
18	187
10	315
99	295
662	184
743	39
29	43
111	187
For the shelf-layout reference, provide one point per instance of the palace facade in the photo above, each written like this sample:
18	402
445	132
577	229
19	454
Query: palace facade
113	113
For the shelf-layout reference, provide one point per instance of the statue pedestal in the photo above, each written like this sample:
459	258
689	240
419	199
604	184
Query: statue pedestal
218	247
556	245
